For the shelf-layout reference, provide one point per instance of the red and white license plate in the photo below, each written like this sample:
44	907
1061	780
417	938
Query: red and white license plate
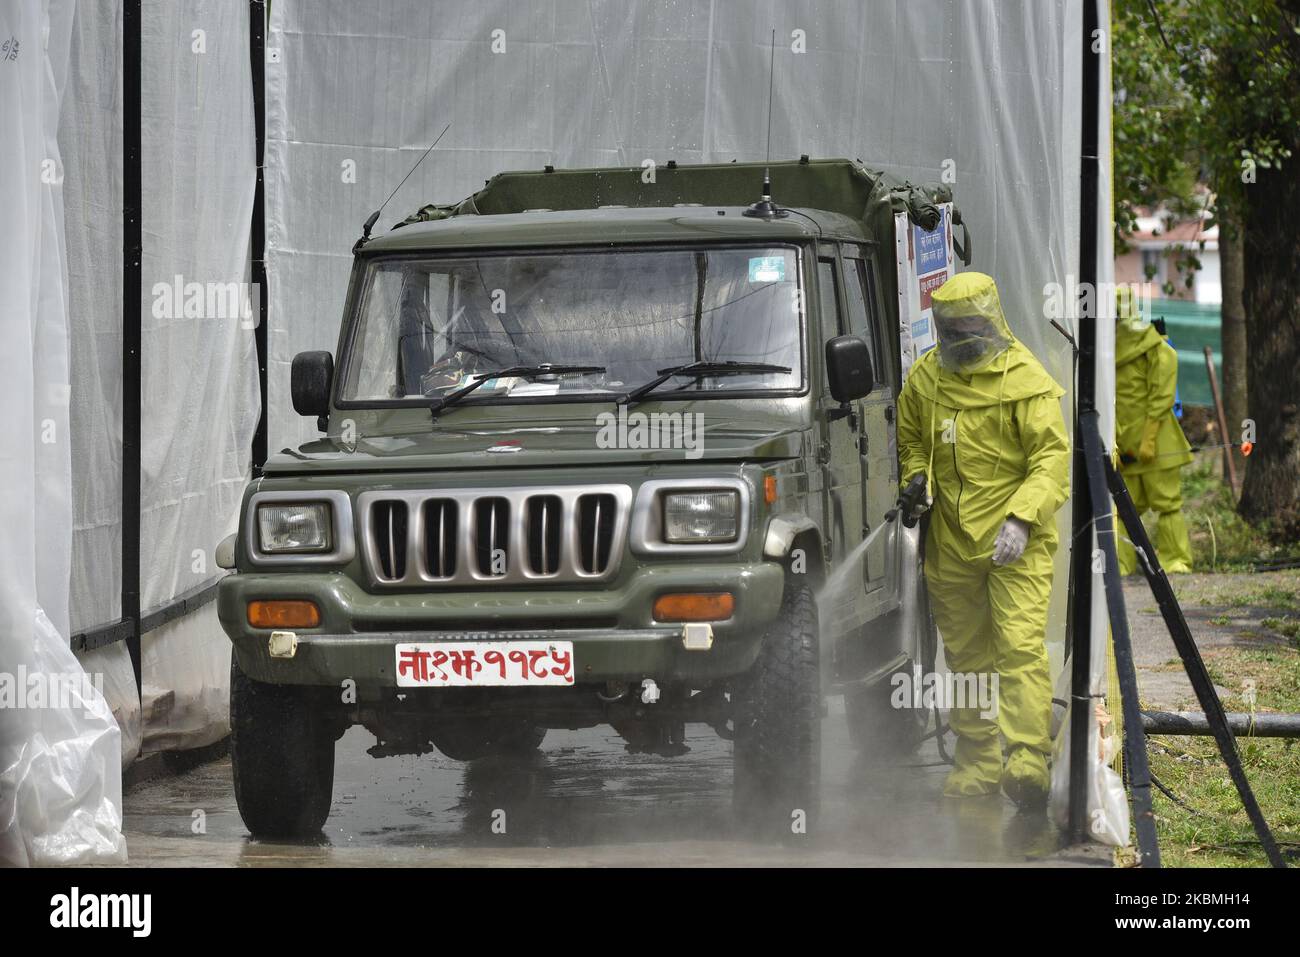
465	664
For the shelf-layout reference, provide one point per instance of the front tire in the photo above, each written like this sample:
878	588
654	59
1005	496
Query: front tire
281	757
778	721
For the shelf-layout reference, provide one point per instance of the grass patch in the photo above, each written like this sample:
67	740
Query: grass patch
1281	593
1286	625
1213	830
1221	539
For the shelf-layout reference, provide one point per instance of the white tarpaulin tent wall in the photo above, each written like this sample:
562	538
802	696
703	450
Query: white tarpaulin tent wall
198	391
983	94
198	383
60	774
199	368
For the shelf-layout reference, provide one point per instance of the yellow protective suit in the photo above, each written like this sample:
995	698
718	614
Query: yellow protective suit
990	437
1151	443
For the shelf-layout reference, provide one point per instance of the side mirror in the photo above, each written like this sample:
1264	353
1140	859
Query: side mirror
310	378
848	368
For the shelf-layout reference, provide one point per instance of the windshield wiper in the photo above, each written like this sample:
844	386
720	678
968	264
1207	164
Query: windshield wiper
698	370
442	402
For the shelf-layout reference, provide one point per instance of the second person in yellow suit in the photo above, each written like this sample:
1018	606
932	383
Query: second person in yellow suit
1151	443
981	418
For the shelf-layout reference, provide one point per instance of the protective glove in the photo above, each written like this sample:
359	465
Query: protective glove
1011	541
1147	450
913	503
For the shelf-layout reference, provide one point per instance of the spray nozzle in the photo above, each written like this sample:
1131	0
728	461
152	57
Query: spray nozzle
912	504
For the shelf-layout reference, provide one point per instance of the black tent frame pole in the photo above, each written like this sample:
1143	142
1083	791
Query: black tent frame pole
132	251
257	62
1136	762
1080	619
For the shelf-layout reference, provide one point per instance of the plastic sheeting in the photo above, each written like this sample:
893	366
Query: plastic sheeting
199	376
90	139
62	766
199	362
60	779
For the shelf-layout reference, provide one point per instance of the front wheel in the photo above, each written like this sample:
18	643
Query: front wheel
778	709
281	757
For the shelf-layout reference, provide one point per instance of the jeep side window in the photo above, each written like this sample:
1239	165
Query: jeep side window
857	294
830	307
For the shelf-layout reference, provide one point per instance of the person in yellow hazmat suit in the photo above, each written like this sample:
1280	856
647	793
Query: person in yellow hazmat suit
1152	446
981	419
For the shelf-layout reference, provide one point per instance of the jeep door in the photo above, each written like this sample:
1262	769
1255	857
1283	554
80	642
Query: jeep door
841	466
877	443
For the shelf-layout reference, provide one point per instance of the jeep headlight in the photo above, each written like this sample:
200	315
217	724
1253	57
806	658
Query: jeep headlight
294	527
712	516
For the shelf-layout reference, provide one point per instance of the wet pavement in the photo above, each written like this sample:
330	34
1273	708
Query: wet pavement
582	800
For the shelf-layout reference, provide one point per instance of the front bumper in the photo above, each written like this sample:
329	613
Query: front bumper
613	635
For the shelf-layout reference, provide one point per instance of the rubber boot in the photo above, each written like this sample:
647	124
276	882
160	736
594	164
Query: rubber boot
1025	779
976	769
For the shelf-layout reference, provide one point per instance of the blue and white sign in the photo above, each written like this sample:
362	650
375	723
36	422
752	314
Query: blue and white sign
931	247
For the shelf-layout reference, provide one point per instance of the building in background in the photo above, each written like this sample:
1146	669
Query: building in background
1153	260
1155	250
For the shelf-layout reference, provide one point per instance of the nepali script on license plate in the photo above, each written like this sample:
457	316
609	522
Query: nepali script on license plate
463	664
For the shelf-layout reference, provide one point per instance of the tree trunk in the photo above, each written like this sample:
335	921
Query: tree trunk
1233	331
1272	299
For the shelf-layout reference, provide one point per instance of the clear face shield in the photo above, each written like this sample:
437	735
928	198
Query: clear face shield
969	342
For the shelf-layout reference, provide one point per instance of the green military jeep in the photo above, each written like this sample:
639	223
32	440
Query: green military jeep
600	447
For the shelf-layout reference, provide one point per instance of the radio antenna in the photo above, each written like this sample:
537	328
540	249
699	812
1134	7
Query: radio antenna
771	72
374	217
765	208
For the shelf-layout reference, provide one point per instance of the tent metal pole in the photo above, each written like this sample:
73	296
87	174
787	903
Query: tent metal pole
132	251
1080	624
1137	767
257	63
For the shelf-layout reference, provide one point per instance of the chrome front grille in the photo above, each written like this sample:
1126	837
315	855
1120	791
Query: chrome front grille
481	536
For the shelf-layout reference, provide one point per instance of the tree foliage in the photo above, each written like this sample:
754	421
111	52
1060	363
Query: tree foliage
1209	91
1204	91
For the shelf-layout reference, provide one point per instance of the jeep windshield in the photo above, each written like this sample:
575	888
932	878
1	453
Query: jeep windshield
425	328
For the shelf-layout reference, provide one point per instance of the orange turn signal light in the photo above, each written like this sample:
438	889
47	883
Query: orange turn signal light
283	614
715	606
769	489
